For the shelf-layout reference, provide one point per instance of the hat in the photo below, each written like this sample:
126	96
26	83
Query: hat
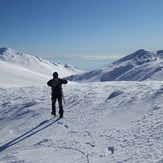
55	75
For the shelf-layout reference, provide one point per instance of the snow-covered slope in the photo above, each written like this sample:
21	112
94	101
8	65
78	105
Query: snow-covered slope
16	76
104	122
19	67
138	66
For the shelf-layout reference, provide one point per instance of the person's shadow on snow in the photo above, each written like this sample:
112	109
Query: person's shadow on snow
44	124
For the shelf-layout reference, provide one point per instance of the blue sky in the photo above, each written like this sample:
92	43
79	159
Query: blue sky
101	29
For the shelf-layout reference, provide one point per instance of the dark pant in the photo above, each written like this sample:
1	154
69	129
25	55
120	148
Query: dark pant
54	102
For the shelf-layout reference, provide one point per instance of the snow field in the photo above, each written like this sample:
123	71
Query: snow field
104	122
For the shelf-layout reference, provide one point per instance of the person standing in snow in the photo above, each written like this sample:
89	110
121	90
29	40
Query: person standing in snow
56	87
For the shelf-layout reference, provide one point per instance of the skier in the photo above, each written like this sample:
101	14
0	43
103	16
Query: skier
56	87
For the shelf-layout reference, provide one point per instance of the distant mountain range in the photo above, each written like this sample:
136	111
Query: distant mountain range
138	66
17	67
36	64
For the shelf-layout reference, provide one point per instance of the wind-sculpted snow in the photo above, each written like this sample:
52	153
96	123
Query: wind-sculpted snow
114	94
104	122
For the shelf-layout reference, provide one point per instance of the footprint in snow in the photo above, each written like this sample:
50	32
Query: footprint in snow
65	125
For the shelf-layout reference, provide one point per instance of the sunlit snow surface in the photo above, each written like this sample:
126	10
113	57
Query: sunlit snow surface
103	122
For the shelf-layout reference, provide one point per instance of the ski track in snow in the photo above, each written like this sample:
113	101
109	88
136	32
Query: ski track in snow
110	122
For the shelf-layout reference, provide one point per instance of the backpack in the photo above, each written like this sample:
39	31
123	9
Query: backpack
56	86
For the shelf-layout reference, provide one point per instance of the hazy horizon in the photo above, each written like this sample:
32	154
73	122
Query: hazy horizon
82	63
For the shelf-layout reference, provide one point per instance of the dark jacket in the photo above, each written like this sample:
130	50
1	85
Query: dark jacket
56	86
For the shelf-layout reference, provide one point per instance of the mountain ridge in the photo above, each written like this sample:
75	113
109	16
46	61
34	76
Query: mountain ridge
138	66
19	69
35	63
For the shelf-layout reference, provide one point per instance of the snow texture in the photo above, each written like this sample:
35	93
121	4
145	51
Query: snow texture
104	122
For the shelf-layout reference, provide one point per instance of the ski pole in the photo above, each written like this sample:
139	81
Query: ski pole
63	97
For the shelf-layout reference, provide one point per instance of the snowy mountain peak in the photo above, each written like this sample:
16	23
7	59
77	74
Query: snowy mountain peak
28	68
3	50
10	55
137	66
35	63
139	57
